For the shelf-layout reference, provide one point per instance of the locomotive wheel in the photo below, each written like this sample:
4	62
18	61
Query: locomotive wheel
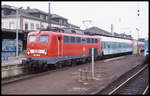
45	67
58	65
73	63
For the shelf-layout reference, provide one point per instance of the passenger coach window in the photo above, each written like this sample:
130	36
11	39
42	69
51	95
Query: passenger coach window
32	38
43	39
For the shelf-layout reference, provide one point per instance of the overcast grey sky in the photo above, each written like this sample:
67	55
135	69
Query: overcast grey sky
123	15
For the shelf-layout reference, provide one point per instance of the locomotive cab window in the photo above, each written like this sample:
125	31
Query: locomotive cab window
32	38
43	39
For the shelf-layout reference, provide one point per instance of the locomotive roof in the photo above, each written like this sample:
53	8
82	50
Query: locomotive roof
60	33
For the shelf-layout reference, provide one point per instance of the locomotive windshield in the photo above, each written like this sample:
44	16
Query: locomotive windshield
43	39
32	38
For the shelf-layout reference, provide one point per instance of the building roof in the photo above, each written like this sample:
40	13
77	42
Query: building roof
96	30
99	31
57	16
73	25
27	13
141	39
34	10
30	16
9	7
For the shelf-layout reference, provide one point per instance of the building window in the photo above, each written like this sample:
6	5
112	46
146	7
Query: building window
42	16
37	26
60	22
2	12
46	17
32	26
26	26
11	25
42	26
2	25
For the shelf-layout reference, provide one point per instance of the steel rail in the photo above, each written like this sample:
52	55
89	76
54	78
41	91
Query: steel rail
110	93
145	90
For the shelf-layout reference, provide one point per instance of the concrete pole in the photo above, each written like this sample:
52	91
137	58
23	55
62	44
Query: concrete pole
17	33
49	17
93	63
112	29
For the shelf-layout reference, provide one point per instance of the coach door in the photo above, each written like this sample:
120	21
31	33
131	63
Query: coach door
60	46
83	41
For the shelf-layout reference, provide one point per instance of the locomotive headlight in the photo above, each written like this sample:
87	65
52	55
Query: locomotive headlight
45	52
28	51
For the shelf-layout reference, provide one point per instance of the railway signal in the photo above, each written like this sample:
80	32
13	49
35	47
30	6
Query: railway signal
138	12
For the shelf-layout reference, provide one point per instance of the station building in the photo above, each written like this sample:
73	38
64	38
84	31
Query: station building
29	19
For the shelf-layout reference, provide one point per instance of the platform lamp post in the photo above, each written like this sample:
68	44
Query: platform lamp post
17	33
138	32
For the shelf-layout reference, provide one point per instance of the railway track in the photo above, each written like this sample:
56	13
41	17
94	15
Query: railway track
25	75
133	82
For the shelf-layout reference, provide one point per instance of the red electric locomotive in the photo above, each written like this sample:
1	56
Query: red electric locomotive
47	47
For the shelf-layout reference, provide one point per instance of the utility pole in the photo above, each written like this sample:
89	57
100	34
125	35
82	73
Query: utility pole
49	17
138	32
112	29
138	15
92	63
17	33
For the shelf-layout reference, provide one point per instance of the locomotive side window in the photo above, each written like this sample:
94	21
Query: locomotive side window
78	39
72	39
92	40
43	39
66	39
96	41
32	38
88	40
83	40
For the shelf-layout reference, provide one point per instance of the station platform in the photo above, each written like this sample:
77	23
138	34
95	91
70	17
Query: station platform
68	81
13	60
